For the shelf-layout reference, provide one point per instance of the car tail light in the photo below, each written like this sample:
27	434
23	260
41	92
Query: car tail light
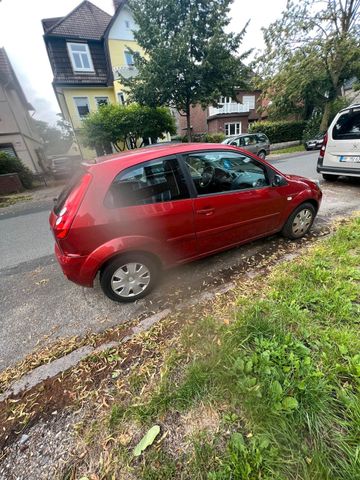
323	146
71	206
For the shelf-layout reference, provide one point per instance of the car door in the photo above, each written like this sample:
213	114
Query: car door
235	201
151	201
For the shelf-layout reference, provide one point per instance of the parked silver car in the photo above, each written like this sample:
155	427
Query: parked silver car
257	143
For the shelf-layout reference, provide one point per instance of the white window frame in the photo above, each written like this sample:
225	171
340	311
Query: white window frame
77	110
118	98
70	52
126	63
102	97
250	101
237	129
223	100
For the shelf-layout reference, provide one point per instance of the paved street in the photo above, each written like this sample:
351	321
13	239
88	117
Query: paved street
38	305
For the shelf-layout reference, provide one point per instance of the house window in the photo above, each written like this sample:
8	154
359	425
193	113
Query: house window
100	101
223	100
249	100
80	57
121	98
82	105
232	129
8	148
129	57
127	24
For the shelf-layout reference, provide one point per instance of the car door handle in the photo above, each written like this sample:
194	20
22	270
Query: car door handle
206	211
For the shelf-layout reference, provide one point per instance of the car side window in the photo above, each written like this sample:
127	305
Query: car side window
150	182
225	171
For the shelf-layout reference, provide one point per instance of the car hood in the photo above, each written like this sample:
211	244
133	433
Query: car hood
298	178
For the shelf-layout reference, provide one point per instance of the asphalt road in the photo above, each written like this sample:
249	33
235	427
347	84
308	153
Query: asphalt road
38	305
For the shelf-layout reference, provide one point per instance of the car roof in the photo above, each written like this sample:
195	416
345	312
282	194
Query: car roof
140	155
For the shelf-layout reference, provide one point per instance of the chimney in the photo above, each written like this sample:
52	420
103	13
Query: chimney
117	3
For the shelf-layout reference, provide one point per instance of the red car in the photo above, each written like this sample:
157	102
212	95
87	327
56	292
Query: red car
132	214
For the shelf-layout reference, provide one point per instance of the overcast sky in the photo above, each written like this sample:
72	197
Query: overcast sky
21	35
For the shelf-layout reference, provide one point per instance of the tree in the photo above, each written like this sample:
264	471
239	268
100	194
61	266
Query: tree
188	58
124	126
310	52
57	140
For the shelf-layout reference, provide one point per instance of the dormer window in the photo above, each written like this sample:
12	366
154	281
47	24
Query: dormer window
80	57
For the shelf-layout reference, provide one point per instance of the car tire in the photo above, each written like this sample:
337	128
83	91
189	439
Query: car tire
330	178
262	154
129	277
299	222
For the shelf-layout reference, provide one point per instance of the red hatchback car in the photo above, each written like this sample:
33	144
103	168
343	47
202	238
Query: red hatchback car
134	213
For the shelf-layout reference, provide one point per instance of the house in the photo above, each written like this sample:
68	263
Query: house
231	116
88	49
18	133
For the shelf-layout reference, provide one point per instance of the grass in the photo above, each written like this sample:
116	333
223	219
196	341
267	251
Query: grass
282	380
8	200
294	149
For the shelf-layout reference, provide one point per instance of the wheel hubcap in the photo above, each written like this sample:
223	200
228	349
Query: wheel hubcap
130	279
302	222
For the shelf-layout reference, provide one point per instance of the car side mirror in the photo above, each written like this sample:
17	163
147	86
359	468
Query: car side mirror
278	180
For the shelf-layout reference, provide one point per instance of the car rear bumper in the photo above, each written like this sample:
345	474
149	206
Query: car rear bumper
72	267
352	172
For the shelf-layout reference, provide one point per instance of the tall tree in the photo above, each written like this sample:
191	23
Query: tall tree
310	51
188	56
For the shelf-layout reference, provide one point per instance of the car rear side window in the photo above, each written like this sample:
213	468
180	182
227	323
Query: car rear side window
151	182
262	138
347	126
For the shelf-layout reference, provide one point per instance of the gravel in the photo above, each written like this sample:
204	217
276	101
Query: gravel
42	452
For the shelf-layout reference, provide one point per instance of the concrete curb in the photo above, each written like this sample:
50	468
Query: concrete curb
61	365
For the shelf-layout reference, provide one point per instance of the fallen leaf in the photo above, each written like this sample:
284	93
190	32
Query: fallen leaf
147	440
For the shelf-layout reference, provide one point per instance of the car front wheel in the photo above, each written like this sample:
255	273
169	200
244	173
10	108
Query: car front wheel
299	222
129	277
262	154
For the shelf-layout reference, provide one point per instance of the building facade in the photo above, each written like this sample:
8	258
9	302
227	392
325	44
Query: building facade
18	134
231	116
88	49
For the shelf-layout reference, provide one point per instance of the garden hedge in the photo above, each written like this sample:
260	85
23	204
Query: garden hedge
10	164
281	131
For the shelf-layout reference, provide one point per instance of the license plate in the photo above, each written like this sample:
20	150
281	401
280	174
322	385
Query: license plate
343	158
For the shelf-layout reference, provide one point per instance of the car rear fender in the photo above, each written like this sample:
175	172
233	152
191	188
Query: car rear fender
117	246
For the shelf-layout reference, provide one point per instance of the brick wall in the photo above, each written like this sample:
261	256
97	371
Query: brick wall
198	118
10	183
216	124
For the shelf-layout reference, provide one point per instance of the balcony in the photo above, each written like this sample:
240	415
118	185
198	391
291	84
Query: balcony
126	71
229	108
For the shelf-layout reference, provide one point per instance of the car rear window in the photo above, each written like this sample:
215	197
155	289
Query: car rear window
73	182
347	126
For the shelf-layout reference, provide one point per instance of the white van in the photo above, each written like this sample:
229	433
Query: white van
340	152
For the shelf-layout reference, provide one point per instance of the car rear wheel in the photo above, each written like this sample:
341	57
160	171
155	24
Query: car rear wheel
299	222
330	178
129	277
262	154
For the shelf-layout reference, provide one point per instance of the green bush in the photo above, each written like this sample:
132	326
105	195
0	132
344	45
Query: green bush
10	164
282	131
214	137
